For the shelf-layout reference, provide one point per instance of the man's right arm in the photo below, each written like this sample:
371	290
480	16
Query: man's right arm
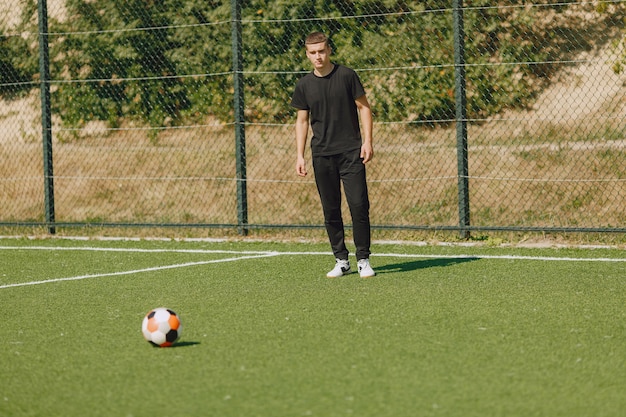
302	131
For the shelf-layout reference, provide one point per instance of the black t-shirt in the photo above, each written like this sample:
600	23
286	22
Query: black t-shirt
332	110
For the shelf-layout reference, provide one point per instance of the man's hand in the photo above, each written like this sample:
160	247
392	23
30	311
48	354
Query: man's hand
301	167
367	152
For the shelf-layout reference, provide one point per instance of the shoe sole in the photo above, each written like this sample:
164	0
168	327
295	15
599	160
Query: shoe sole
338	276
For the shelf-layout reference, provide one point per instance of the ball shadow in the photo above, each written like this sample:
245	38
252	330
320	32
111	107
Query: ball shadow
184	344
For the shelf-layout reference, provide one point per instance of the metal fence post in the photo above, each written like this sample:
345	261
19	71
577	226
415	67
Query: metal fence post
240	129
461	119
46	123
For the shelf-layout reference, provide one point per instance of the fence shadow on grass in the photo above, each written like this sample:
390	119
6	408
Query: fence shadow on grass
422	264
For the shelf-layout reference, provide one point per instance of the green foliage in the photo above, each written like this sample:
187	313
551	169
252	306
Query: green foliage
415	40
620	63
154	69
17	66
14	75
164	62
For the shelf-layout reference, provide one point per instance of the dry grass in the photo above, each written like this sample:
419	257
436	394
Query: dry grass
189	177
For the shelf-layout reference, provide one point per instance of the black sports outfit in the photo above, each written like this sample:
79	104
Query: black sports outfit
336	148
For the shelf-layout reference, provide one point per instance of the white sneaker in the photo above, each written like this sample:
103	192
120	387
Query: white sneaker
341	267
365	269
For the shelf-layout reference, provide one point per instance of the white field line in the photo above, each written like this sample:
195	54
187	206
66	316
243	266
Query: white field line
138	250
511	257
136	271
276	253
261	254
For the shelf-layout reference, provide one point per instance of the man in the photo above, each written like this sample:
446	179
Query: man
330	99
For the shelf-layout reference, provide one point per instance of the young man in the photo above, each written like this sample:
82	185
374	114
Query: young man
330	99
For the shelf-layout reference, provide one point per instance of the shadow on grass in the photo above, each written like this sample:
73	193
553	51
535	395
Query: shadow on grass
184	344
421	264
177	345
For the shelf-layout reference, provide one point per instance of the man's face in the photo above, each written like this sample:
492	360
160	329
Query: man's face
318	54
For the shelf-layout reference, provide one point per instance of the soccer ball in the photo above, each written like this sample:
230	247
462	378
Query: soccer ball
161	327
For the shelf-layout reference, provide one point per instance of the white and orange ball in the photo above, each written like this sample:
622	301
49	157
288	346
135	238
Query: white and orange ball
161	327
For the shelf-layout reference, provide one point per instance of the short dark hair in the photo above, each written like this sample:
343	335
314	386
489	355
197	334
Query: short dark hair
316	37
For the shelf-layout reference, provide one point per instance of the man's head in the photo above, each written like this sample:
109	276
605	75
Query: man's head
316	37
318	51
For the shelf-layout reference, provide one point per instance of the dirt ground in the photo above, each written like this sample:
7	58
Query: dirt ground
10	15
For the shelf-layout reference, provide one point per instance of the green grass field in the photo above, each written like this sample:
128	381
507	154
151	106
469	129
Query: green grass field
440	331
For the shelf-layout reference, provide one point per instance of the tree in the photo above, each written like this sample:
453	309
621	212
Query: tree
162	62
18	67
145	60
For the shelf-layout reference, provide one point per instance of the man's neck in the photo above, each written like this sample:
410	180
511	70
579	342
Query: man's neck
322	72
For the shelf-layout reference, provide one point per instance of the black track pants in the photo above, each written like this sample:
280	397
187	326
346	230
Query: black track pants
330	173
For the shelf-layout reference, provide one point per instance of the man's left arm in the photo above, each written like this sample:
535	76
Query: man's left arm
367	126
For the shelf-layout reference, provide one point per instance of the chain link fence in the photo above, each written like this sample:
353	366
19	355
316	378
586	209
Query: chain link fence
502	115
